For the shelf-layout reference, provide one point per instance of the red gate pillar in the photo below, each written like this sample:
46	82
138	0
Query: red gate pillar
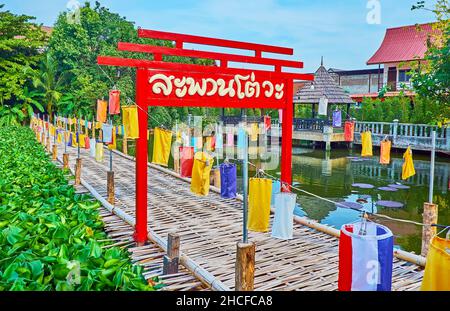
286	136
140	235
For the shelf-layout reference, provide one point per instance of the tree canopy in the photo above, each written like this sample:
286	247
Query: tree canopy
21	46
432	78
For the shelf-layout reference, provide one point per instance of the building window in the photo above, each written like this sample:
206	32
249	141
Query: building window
403	75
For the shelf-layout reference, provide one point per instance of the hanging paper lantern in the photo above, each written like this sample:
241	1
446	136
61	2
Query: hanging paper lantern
267	123
92	150
99	152
365	261
283	222
113	144
186	161
201	170
228	180
101	110
385	152
349	130
408	169
107	133
87	144
437	269
114	102
366	142
162	141
260	190
130	121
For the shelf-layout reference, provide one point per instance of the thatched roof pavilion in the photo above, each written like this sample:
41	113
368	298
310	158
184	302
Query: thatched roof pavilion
323	86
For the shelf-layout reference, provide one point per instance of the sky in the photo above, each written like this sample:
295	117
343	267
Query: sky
345	32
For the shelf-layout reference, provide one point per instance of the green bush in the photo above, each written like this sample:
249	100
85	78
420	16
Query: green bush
420	111
50	236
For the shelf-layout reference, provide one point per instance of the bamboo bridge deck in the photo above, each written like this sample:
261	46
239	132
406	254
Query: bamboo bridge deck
150	256
209	228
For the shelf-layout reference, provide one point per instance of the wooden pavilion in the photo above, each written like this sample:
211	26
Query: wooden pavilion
323	86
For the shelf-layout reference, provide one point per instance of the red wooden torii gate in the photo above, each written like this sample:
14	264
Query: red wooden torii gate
161	83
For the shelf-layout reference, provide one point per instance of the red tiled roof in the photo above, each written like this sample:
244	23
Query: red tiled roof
402	44
47	29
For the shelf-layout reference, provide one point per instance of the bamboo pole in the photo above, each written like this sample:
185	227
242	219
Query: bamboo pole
65	160
54	152
110	186
217	178
430	216
171	260
176	158
78	171
48	145
124	143
245	266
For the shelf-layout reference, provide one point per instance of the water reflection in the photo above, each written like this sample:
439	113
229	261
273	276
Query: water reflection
331	175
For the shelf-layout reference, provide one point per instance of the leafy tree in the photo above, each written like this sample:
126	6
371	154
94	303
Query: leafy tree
50	84
432	78
21	43
75	48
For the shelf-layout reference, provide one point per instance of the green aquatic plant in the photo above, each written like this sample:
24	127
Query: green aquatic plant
50	237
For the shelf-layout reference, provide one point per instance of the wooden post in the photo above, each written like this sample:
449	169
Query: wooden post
171	260
124	144
217	178
245	266
65	160
176	159
55	152
110	186
48	144
78	172
430	216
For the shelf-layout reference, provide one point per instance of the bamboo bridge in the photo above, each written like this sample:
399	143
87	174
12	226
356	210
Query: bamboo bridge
209	228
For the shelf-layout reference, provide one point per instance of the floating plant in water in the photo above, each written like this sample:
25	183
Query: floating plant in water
391	204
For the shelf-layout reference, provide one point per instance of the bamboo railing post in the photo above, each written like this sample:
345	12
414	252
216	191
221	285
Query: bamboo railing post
48	145
171	260
110	186
54	152
430	216
245	266
124	144
176	158
78	171
65	160
93	128
217	178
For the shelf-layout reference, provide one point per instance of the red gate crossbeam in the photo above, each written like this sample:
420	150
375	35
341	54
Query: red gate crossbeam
180	39
143	63
224	58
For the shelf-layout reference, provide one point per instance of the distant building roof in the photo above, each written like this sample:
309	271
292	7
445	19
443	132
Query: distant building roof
47	29
403	44
356	72
323	86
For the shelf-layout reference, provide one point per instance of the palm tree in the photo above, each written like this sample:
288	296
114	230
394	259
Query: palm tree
30	102
49	82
